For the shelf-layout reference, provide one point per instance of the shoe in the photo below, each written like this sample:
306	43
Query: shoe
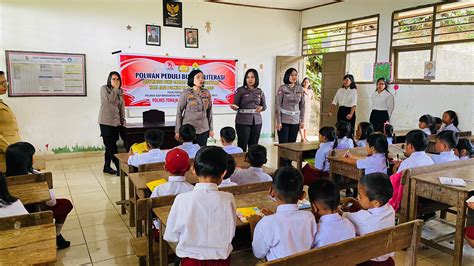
109	170
117	173
61	243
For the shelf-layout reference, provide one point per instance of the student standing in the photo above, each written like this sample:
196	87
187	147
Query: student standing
382	105
346	98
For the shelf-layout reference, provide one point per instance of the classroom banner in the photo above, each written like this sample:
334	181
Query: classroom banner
157	81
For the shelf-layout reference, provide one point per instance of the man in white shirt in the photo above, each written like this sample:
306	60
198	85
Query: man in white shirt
227	138
256	157
187	134
153	139
416	142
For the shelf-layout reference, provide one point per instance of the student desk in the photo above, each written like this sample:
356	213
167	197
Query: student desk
401	134
125	169
296	151
31	193
28	245
427	185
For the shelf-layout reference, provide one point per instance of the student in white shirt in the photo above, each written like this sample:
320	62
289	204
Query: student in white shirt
364	129
187	134
382	105
153	139
450	121
227	138
388	132
464	149
231	165
203	221
416	142
344	135
9	205
427	124
346	98
377	155
446	141
375	213
256	156
332	228
289	230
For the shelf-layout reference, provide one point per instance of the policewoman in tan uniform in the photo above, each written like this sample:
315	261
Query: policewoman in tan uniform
249	102
195	108
8	126
290	106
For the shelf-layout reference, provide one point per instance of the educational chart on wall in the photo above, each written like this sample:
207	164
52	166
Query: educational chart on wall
157	81
46	74
382	70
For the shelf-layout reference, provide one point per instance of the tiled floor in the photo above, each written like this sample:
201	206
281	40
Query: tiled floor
100	235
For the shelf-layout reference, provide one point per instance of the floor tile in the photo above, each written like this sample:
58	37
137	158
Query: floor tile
102	217
105	231
73	256
72	222
120	261
74	235
108	249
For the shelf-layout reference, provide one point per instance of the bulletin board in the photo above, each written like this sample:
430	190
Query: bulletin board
382	70
33	74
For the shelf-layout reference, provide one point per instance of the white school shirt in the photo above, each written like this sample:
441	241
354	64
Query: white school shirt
202	222
361	143
449	127
231	149
190	148
390	140
15	208
175	185
345	97
444	157
152	156
427	131
418	158
463	158
321	161
376	163
227	183
345	143
284	233
383	101
372	220
332	228
250	175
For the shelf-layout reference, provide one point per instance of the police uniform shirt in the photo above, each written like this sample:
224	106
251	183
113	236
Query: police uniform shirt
290	105
248	100
195	108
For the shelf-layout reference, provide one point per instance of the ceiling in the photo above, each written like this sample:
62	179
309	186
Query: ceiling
296	5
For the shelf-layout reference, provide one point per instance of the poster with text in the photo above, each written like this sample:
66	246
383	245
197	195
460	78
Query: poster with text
157	81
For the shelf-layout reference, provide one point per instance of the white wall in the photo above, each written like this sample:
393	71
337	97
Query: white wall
411	101
253	36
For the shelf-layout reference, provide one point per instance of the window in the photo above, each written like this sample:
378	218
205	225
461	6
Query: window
443	33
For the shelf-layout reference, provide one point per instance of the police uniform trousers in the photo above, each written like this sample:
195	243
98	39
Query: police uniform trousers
247	135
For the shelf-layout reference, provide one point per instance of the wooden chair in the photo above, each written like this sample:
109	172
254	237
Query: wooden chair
26	220
153	116
31	178
361	249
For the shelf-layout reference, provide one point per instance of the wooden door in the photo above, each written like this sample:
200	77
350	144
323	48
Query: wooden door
333	72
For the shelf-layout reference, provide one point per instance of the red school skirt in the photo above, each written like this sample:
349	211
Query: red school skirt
388	262
195	262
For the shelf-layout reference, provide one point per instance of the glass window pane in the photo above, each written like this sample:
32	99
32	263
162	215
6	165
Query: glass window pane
454	62
360	65
411	64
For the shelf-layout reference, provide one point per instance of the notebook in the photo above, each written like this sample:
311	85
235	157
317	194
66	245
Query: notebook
139	148
245	213
452	181
153	184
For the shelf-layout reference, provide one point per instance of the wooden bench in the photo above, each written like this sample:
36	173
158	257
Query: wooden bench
31	188
361	249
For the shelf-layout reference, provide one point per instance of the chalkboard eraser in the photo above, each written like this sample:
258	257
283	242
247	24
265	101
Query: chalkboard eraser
117	52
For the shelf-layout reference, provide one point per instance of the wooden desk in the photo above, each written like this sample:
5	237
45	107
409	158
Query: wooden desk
296	151
28	245
125	169
427	185
135	132
31	193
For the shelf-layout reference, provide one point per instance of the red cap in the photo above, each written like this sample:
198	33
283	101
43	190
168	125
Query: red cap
177	161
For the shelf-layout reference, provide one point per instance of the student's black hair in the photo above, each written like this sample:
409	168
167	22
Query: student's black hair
388	130
228	134
255	74
288	183
154	137
5	197
231	165
256	155
211	161
109	79
330	134
380	144
344	129
418	139
453	116
326	192
438	120
351	78
191	77
187	133
378	187
385	82
449	137
465	144
366	129
430	121
19	158
286	78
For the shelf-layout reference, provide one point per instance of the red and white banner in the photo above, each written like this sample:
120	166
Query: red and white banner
157	81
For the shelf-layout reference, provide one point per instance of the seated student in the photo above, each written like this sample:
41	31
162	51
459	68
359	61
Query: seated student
344	135
256	156
364	129
203	236
227	138
416	142
388	132
427	124
374	213
289	230
438	124
450	121
187	134
19	161
377	155
469	230
153	139
446	141
327	142
231	165
9	205
464	149
332	228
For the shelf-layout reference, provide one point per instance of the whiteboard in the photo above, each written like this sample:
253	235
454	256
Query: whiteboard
46	74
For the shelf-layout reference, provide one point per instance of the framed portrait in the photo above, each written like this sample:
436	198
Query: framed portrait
191	38
153	35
